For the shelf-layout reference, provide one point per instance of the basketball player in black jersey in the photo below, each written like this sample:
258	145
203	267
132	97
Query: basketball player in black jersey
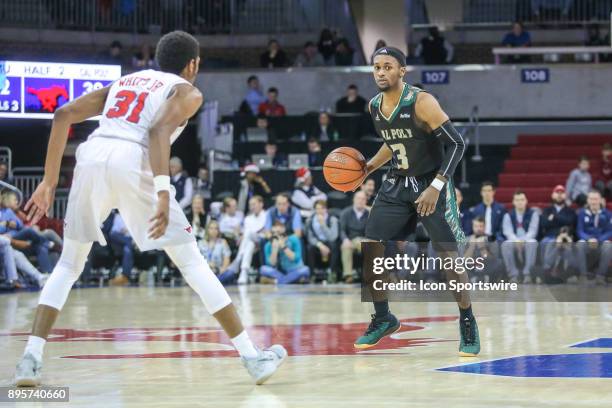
424	148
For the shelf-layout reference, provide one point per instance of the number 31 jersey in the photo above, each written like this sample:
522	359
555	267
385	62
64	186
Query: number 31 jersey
133	102
416	151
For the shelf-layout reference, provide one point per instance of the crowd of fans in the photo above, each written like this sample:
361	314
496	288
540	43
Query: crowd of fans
276	237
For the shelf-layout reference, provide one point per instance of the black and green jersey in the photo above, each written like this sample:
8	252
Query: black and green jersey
416	152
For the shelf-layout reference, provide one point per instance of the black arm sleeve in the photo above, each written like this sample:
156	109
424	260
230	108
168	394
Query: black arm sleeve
454	148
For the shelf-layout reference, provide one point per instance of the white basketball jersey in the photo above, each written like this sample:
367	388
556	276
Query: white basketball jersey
133	102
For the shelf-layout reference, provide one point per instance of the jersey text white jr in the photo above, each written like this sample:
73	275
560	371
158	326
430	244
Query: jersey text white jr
132	103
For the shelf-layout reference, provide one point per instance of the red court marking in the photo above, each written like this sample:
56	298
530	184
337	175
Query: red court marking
300	340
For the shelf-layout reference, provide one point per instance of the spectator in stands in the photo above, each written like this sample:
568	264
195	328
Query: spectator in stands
283	258
322	231
516	38
309	57
217	252
492	211
479	246
369	188
230	222
352	102
435	49
274	57
315	157
579	183
287	214
379	44
11	200
344	53
327	46
594	231
203	187
181	181
114	55
325	130
24	238
143	59
557	226
264	123
604	182
4	173
278	159
254	224
120	236
305	194
272	107
253	98
464	216
251	184
13	260
197	216
520	227
353	221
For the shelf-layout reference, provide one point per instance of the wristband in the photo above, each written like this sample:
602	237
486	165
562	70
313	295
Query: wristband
437	184
161	183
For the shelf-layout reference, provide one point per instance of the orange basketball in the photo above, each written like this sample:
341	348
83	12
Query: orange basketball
344	169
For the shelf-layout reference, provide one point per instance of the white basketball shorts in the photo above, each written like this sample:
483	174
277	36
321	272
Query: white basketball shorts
115	173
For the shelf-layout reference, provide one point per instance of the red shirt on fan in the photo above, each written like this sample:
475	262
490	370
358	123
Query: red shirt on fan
272	109
606	164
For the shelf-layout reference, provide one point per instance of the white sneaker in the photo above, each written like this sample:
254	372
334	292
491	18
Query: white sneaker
28	370
266	363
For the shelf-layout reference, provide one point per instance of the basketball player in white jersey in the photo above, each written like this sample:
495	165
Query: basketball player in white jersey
125	164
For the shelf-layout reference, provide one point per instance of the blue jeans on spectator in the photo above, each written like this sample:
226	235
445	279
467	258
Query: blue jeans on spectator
40	246
227	278
291	276
127	257
7	259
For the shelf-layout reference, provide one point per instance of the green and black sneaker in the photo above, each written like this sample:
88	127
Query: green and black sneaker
470	339
378	328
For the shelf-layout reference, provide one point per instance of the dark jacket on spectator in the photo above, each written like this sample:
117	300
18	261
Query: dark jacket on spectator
551	221
357	106
279	60
594	226
497	216
351	226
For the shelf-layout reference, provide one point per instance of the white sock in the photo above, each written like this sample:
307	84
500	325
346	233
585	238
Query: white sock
244	345
35	347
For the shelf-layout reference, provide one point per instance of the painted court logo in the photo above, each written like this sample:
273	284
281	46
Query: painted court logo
297	338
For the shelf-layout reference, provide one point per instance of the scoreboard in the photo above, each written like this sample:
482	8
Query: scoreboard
34	90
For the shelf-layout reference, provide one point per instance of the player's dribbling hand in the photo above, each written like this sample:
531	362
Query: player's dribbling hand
427	201
161	218
40	202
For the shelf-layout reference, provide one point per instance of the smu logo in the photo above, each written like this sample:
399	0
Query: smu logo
300	340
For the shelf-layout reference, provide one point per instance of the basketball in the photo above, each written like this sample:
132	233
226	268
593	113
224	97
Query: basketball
344	169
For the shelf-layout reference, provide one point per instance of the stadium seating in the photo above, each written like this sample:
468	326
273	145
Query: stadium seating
539	162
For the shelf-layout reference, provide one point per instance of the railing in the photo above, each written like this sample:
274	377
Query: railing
27	179
579	51
498	12
155	16
60	203
471	129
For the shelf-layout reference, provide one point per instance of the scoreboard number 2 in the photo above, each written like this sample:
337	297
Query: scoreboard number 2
5	89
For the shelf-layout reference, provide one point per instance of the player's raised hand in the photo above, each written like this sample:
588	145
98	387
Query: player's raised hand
427	201
39	203
162	216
